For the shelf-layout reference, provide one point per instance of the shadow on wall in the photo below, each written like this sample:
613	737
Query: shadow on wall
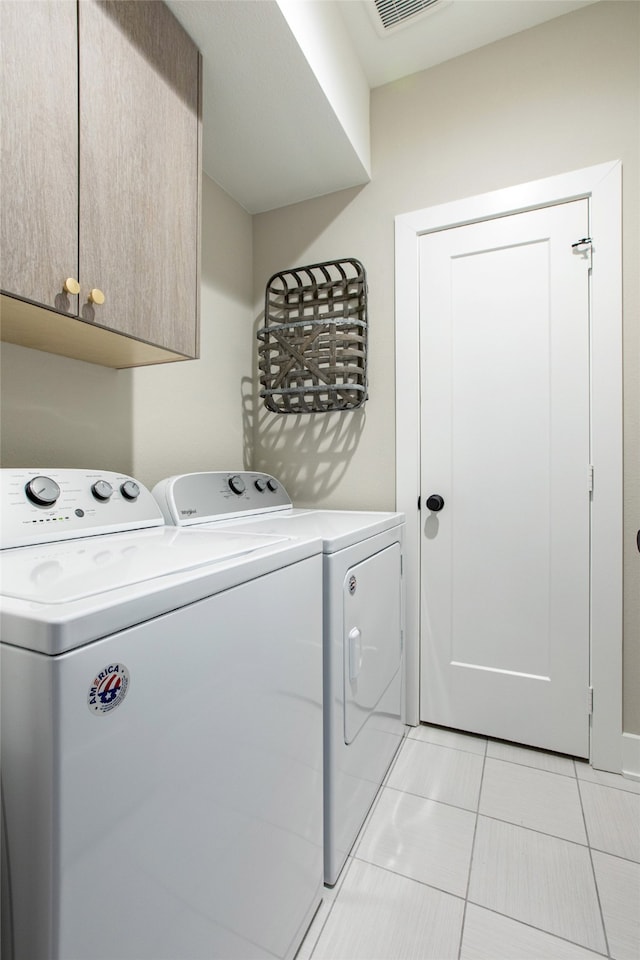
57	412
308	453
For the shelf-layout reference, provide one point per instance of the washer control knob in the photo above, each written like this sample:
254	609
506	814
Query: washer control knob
260	485
101	490
130	490
272	484
43	491
236	483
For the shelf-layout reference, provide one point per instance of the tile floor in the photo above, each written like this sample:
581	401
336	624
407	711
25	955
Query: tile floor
481	850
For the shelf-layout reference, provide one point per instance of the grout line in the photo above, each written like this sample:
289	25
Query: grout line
532	926
614	856
543	833
421	796
592	782
395	759
404	876
370	812
593	871
465	898
448	746
511	823
529	766
473	845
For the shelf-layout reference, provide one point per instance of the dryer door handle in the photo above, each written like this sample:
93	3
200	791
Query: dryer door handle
355	654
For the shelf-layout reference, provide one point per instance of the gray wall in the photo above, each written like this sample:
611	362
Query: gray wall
555	98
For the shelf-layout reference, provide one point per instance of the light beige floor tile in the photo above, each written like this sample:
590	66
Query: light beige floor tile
427	841
532	798
380	915
586	772
613	819
439	773
619	888
530	757
449	738
540	880
490	936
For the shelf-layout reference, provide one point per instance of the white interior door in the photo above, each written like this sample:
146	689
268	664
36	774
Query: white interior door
504	333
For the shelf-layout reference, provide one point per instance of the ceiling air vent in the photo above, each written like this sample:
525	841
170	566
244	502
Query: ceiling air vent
392	13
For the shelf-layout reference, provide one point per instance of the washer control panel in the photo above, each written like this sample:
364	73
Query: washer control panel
45	505
198	497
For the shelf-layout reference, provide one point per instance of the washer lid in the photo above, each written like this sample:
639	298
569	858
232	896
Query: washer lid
74	570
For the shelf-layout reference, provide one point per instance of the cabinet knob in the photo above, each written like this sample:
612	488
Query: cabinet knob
96	296
71	286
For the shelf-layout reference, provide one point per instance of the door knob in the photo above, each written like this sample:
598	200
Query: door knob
71	286
435	502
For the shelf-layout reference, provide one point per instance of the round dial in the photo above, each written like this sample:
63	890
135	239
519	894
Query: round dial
260	485
237	484
101	490
42	490
130	490
272	484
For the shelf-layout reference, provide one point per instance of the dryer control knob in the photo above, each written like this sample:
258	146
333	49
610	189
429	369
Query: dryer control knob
101	490
237	484
272	484
42	490
260	485
130	490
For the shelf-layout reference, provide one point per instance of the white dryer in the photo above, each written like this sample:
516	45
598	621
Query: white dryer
363	628
161	707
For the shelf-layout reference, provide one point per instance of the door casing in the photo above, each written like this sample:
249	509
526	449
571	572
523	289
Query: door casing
602	186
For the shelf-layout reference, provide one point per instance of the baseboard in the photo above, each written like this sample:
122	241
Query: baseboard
631	756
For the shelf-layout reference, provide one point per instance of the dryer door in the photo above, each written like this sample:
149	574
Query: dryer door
372	635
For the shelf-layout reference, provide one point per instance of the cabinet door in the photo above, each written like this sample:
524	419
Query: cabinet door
39	160
139	171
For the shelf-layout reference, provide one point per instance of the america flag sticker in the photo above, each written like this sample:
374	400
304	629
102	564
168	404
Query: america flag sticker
108	689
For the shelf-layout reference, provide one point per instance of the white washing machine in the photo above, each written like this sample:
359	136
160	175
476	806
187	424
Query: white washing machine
161	709
363	628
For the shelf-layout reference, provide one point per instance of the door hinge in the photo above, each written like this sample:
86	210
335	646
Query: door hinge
590	700
590	478
584	247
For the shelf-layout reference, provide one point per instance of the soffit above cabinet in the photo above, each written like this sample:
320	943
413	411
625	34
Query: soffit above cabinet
273	133
286	82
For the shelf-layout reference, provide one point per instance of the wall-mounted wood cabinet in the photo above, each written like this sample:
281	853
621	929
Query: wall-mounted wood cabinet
100	177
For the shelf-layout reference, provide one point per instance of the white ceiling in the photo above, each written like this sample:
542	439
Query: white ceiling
444	31
271	135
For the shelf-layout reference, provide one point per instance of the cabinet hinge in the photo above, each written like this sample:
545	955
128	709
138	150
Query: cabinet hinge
590	700
590	478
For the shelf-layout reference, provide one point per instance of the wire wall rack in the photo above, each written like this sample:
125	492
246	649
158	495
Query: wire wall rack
313	345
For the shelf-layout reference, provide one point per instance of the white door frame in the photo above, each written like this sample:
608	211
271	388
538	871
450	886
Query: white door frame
602	185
